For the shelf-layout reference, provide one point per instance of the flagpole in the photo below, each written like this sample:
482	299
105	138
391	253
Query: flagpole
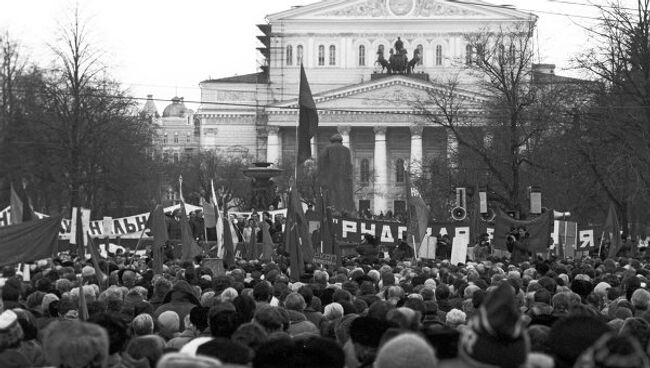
180	187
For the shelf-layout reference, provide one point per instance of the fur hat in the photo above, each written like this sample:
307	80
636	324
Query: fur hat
496	335
87	271
406	351
169	320
613	351
11	334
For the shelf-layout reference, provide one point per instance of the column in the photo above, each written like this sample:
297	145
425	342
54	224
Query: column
452	150
416	148
381	171
314	147
344	131
273	146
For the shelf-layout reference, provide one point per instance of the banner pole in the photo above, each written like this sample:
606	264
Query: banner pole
600	246
137	245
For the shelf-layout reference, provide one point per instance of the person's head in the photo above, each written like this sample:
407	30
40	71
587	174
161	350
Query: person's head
613	351
116	329
407	350
272	319
142	324
198	317
250	334
295	301
366	333
75	344
317	352
11	331
262	292
149	347
169	323
226	350
222	322
572	335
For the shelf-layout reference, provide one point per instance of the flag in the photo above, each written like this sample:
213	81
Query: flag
160	237
228	246
21	209
538	229
251	248
267	249
189	247
418	215
476	226
218	222
94	257
29	241
83	306
297	241
613	230
327	237
307	120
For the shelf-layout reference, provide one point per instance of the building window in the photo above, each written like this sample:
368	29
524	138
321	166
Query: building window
188	138
299	53
380	49
399	171
362	55
365	171
332	55
439	55
175	137
177	157
165	157
321	55
420	49
469	54
289	55
165	138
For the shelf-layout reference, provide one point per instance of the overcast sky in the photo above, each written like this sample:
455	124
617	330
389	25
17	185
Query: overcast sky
166	48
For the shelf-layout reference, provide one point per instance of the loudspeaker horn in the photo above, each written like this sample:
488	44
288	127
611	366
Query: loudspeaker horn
458	213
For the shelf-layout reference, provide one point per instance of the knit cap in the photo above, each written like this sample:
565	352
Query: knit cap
496	335
11	334
613	351
406	351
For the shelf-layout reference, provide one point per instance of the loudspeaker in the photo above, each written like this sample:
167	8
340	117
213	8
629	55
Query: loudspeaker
489	216
458	213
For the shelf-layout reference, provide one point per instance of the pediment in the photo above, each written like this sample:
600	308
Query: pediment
400	9
395	93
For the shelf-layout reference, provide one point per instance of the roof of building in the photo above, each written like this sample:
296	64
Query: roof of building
176	108
150	107
259	77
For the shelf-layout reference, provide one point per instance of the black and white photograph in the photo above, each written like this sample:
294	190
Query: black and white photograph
325	184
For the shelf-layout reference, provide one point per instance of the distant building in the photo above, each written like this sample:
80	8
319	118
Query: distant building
338	43
176	132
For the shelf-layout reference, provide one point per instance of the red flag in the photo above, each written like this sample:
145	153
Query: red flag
267	249
190	249
83	306
418	216
29	241
251	249
308	119
228	245
160	237
613	230
21	209
95	257
297	241
327	236
538	229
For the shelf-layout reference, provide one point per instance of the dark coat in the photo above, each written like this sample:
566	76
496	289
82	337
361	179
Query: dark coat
180	299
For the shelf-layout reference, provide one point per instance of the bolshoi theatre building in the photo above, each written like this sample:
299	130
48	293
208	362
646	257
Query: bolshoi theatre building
338	42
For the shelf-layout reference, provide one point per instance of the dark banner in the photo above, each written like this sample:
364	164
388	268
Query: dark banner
29	241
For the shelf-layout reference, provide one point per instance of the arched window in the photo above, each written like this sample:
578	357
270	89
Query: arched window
165	157
332	55
439	55
420	49
176	137
469	54
299	53
321	55
289	55
165	138
380	49
188	138
365	171
399	171
362	55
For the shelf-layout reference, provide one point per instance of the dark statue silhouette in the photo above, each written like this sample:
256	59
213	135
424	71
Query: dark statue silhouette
398	61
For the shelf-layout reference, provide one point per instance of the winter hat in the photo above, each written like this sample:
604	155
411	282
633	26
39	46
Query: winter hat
571	336
47	300
180	360
616	324
333	310
406	351
170	321
601	289
496	335
11	334
455	317
613	351
87	271
640	299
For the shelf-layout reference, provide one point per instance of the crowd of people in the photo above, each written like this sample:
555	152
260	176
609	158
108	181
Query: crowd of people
371	312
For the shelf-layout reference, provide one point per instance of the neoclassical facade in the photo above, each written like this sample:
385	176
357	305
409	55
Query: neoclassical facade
337	41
